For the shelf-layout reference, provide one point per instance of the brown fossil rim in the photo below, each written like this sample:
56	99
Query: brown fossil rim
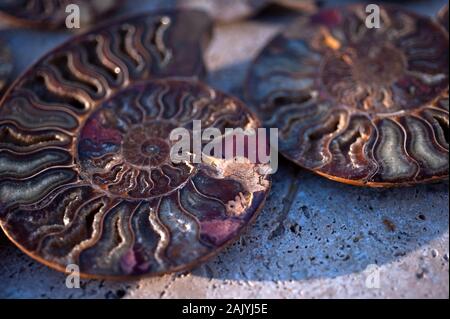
232	10
52	14
85	174
359	105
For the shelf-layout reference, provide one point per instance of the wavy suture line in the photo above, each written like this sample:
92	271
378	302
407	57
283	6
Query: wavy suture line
36	102
56	85
68	204
60	68
125	51
77	61
111	59
132	47
395	73
63	244
405	150
124	231
163	233
18	192
90	51
290	116
15	139
164	52
114	237
429	155
13	166
206	196
34	127
24	110
43	226
95	237
432	131
188	214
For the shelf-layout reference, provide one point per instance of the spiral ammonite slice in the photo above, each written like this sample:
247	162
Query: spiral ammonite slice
365	106
6	66
101	191
85	176
51	14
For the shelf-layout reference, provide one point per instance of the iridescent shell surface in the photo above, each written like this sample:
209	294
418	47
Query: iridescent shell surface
85	172
52	14
365	106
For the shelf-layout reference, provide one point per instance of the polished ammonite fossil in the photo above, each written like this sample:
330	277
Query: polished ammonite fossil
86	176
6	66
52	13
361	105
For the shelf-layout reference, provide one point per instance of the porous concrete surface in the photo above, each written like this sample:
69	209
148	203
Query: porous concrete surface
314	238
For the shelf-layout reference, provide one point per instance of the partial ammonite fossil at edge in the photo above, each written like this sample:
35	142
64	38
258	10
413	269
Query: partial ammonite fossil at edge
365	106
85	172
51	14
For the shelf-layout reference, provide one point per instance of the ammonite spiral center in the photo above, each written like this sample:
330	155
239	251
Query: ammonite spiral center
128	155
378	66
156	150
148	145
369	70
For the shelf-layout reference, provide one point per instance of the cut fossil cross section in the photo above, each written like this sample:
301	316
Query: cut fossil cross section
85	172
365	106
104	194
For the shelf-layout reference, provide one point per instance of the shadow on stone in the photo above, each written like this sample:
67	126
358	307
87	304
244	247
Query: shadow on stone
331	229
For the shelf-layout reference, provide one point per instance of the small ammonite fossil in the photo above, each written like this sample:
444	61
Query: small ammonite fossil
6	66
443	17
361	105
85	172
51	14
232	10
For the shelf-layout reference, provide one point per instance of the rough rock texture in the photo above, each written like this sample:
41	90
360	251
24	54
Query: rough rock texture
314	239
